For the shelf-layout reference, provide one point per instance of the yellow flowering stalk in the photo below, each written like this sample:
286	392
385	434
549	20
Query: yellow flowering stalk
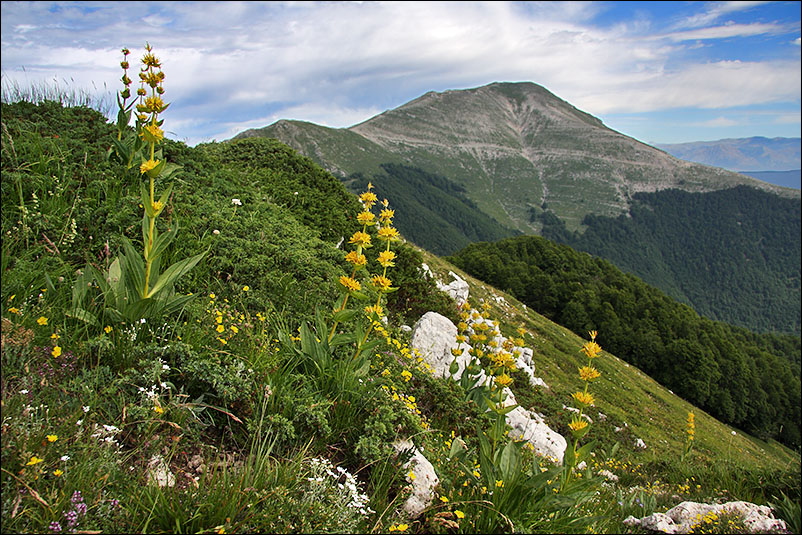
584	399
134	289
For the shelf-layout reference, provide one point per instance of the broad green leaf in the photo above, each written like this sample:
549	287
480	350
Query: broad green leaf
145	196
83	315
344	315
174	272
133	269
163	241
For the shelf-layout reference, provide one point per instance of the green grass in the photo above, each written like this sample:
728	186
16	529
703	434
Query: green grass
237	398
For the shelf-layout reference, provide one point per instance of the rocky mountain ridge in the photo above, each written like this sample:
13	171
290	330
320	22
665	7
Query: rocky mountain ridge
516	148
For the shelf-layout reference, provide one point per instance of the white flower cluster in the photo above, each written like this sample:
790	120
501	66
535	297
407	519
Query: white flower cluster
348	491
107	434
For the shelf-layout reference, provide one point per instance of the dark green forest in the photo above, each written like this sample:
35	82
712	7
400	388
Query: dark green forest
433	211
733	255
751	381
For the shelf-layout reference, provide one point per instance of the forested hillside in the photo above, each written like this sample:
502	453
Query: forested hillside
733	255
748	380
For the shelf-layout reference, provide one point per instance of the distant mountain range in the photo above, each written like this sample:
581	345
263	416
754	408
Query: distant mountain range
743	154
486	163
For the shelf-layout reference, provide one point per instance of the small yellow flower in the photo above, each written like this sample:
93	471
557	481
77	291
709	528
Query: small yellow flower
152	133
366	218
107	328
52	438
350	284
58	472
361	239
386	215
212	296
591	349
56	352
411	475
368	198
374	309
148	166
158	409
443	499
356	259
406	375
504	380
381	283
386	258
459	513
42	320
220	328
34	460
588	373
222	340
388	234
583	398
499	483
246	288
578	425
54	336
234	329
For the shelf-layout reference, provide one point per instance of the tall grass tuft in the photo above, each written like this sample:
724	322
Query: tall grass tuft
64	92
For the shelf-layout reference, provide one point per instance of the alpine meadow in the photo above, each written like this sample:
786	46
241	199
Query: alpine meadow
440	320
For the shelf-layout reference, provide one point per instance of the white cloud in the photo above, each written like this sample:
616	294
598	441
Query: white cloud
727	30
717	122
229	64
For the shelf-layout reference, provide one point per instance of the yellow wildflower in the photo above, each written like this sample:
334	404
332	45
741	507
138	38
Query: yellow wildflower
591	349
368	198
459	513
42	320
381	283
58	472
246	288
578	425
386	258
504	380
158	409
220	328
360	239
14	310
152	133
583	398
52	438
148	166
34	460
366	218
56	352
406	375
386	215
356	259
107	328
388	234
350	284
588	373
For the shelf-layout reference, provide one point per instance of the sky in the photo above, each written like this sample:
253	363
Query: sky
661	72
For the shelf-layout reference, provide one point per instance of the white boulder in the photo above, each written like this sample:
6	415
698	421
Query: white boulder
421	477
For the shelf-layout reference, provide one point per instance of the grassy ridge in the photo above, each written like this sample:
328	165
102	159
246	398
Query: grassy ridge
224	393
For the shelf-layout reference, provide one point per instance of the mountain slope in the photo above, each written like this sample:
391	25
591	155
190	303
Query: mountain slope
515	147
